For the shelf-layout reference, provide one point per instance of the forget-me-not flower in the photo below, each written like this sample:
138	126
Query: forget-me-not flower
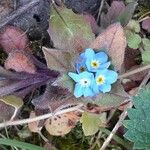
80	64
103	80
84	83
95	61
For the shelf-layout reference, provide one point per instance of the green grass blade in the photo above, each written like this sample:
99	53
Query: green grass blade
19	144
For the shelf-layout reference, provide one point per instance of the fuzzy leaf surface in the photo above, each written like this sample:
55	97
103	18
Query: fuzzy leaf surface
71	31
113	39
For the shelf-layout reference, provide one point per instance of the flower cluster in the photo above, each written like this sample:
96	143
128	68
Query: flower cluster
93	75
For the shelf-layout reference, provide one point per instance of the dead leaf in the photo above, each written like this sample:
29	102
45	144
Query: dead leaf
9	107
34	126
59	60
146	24
62	124
114	41
12	38
20	61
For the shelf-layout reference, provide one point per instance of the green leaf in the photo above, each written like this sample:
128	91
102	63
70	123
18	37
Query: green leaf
133	39
146	57
139	120
70	31
91	122
134	26
19	144
127	14
146	53
146	44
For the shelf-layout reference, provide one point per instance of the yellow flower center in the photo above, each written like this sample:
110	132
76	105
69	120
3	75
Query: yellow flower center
100	79
95	64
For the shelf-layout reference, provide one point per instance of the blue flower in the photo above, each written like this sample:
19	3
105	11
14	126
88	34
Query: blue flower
80	64
97	61
103	80
84	83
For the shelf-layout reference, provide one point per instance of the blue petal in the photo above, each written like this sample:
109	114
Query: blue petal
78	91
101	72
95	88
111	76
105	88
102	57
105	65
86	74
88	92
74	76
89	53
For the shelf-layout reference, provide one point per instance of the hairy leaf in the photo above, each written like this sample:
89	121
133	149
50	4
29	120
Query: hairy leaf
116	97
139	120
69	31
13	38
54	98
59	60
20	61
114	41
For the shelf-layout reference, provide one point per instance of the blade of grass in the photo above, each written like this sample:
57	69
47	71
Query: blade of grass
19	144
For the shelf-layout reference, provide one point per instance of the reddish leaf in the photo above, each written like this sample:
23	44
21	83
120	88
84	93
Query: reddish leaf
20	62
146	24
114	41
13	38
113	12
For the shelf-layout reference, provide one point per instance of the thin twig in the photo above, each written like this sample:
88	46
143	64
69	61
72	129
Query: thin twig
42	117
119	123
140	69
100	10
145	80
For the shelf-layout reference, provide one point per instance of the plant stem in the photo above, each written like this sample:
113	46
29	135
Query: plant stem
42	117
118	124
117	139
140	69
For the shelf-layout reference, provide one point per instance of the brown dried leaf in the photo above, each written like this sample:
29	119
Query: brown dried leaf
9	107
62	124
34	126
59	60
13	38
19	61
114	41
